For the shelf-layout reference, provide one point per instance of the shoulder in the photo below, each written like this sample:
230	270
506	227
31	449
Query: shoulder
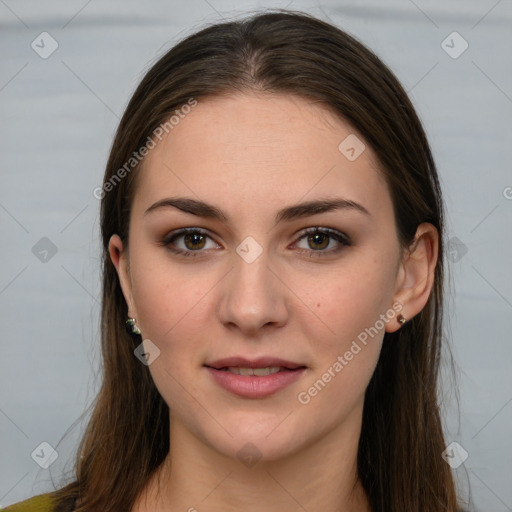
41	503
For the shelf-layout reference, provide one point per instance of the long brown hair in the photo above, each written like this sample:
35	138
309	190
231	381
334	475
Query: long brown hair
399	457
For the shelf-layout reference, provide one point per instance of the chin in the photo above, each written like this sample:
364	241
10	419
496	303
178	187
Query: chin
258	440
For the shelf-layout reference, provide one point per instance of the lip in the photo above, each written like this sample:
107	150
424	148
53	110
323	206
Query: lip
253	386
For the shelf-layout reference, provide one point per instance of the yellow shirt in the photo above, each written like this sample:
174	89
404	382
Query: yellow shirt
41	503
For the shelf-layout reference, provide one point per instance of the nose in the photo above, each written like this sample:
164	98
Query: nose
253	296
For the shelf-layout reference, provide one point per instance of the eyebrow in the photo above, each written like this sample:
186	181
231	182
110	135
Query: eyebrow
202	209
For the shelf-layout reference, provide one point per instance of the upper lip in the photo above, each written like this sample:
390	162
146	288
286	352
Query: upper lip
260	362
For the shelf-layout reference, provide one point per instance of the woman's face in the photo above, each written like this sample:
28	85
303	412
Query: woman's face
251	282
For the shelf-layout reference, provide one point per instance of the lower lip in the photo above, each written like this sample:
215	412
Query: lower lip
252	386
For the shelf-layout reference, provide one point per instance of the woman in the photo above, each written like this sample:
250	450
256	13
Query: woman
272	226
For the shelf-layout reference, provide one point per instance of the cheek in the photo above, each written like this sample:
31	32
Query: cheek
170	307
354	298
164	294
350	306
169	303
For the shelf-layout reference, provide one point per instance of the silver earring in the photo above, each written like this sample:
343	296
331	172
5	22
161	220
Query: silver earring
132	327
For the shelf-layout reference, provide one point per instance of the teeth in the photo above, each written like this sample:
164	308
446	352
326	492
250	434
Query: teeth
260	372
266	371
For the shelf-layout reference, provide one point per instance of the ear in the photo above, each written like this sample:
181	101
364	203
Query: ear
119	257
415	276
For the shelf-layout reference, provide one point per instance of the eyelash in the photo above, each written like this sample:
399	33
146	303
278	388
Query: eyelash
341	238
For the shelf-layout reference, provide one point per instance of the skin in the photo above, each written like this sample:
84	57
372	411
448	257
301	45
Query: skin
251	155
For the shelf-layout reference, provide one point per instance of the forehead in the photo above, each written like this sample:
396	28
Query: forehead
261	149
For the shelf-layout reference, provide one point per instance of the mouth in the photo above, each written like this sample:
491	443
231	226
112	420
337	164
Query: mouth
258	378
259	372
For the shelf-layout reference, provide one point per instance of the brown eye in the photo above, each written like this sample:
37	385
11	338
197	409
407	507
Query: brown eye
319	239
196	241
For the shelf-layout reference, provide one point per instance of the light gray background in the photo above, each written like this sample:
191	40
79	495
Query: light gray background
58	117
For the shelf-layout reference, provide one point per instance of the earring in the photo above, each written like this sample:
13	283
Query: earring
401	319
132	327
